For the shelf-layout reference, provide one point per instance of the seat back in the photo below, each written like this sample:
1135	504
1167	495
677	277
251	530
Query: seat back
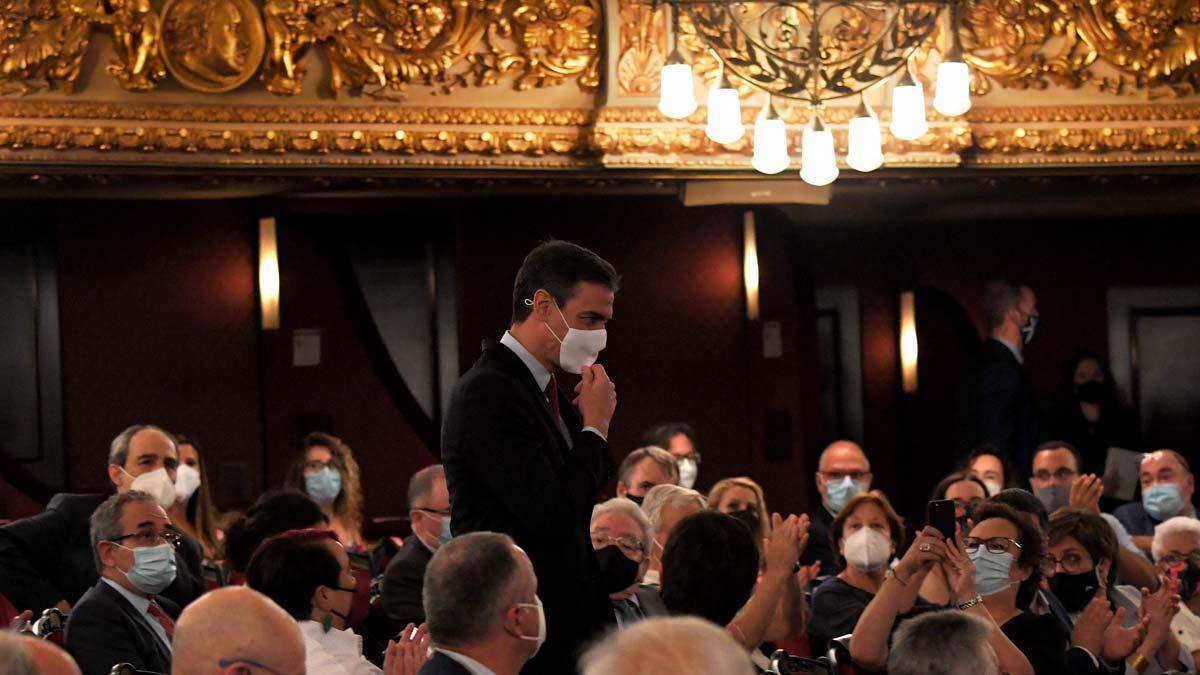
128	669
839	657
362	596
783	663
8	612
51	625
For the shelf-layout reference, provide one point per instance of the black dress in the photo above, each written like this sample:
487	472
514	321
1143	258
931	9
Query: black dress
836	608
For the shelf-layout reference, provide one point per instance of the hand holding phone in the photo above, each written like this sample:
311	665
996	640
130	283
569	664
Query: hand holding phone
940	514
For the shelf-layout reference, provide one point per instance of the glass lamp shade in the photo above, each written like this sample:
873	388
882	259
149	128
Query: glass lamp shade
865	152
953	95
770	146
677	90
908	111
724	115
819	159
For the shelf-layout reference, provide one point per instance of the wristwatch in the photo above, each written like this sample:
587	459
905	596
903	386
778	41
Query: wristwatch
1138	662
971	603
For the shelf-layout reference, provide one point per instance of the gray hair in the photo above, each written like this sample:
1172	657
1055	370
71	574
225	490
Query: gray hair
468	584
14	657
118	450
106	520
661	496
942	643
630	510
1176	525
660	457
668	645
832	446
421	484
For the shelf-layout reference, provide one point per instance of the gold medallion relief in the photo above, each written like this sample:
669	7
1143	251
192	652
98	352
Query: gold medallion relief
212	46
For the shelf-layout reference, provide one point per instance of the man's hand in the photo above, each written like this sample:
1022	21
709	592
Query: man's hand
1085	493
597	398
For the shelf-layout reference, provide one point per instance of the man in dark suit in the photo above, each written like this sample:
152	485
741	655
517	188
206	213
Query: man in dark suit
995	403
843	471
429	513
482	606
47	560
121	619
520	460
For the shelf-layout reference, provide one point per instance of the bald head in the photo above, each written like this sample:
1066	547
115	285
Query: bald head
236	625
22	655
839	452
677	646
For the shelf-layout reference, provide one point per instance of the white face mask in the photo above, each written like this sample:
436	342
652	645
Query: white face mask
688	472
992	487
540	638
580	347
187	481
867	550
155	483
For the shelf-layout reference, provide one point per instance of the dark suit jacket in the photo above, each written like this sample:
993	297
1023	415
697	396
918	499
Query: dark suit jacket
48	557
509	470
403	581
996	406
820	548
440	664
104	630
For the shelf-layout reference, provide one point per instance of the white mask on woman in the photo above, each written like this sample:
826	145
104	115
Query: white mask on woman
187	481
867	550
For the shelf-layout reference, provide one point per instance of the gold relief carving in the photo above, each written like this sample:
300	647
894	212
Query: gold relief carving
137	35
212	46
612	141
643	48
1091	141
1024	44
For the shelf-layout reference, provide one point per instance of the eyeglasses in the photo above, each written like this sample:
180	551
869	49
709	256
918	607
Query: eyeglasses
1062	474
630	546
993	544
317	465
445	513
695	457
841	475
141	539
1072	563
1174	558
225	663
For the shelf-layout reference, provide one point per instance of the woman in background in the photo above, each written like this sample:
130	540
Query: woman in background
1089	414
743	499
325	469
193	512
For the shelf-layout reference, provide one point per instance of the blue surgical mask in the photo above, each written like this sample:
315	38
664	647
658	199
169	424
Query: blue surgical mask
446	535
992	571
840	491
1162	501
153	568
324	486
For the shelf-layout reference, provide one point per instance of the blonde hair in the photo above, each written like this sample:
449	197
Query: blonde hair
764	516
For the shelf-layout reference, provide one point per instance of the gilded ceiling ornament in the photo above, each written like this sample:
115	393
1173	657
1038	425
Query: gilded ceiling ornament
1155	41
643	48
212	46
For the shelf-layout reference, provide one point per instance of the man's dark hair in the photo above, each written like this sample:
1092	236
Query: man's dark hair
998	298
1061	445
1030	540
1010	476
118	450
421	484
275	512
1091	531
557	267
710	567
1023	501
468	584
289	567
661	434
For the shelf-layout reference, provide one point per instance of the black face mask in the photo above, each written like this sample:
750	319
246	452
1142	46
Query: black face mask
636	499
749	518
1075	591
1092	391
617	571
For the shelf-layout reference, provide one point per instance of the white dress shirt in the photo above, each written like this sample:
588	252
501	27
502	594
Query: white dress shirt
540	375
467	662
338	652
142	605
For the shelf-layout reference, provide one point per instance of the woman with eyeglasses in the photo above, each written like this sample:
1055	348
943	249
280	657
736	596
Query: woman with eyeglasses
325	469
1080	562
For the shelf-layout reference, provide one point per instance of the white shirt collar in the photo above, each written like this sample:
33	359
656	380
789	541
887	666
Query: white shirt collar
1012	348
140	602
539	372
467	662
341	647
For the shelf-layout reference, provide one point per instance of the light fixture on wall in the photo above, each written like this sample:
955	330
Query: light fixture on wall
908	341
815	51
268	273
750	265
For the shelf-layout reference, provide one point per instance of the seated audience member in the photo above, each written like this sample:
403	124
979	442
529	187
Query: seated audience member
1177	556
236	630
743	499
1083	547
842	472
993	574
1057	483
121	619
21	655
326	470
643	469
272	513
679	438
307	573
991	468
867	533
621	537
429	513
193	513
943	643
678	646
1167	488
967	492
666	505
48	560
481	607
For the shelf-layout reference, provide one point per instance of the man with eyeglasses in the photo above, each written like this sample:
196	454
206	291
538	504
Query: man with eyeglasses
429	513
237	631
47	560
121	619
843	471
622	536
1176	549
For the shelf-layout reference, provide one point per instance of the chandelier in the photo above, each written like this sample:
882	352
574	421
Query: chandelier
813	51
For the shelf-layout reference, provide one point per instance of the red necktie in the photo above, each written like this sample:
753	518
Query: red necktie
552	397
163	620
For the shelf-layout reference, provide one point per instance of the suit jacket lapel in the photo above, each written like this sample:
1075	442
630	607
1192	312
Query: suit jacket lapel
512	364
130	611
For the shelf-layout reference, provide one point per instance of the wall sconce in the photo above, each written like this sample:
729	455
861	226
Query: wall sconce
908	341
268	273
750	265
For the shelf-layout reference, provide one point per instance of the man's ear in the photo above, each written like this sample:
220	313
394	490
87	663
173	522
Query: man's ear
115	475
105	551
621	489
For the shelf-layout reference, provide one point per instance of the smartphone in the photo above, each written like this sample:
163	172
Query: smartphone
940	515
